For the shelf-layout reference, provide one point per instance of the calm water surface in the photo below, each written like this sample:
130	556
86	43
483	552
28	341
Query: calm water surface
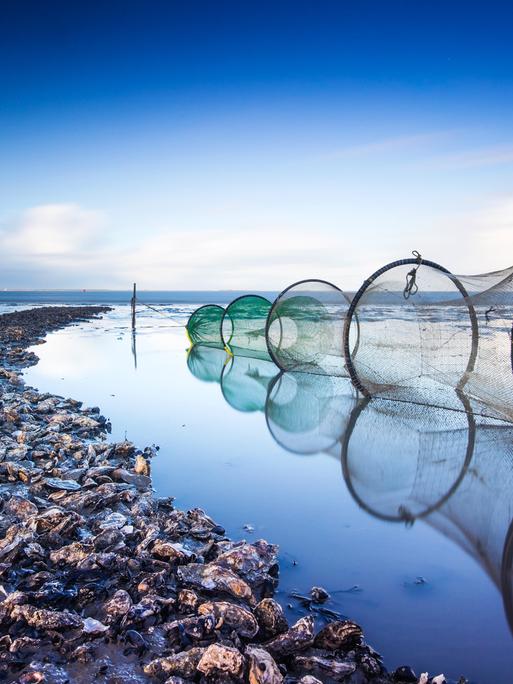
403	522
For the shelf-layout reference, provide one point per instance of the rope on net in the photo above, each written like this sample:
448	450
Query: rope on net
162	313
411	287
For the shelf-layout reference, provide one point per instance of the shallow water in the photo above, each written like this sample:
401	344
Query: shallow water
428	593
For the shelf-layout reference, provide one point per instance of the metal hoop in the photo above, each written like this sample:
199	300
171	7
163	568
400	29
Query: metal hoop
355	378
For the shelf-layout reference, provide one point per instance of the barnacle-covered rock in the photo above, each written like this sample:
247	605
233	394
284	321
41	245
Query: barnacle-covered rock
324	667
319	594
25	645
117	606
369	660
58	483
20	508
255	562
339	635
262	667
188	601
215	578
219	659
182	664
14	541
172	551
141	465
46	619
297	638
196	628
92	626
201	526
232	616
405	674
271	618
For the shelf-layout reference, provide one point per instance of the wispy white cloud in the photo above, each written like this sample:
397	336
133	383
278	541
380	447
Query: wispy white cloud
429	151
51	231
475	241
391	144
65	245
471	159
51	245
68	246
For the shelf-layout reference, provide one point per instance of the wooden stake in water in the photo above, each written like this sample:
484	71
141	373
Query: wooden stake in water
132	301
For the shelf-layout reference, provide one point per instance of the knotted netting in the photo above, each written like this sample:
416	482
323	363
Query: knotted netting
206	363
478	516
204	325
245	381
307	413
305	328
451	468
424	328
490	380
243	326
401	460
411	336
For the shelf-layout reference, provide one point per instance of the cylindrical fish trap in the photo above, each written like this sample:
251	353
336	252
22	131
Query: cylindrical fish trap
243	326
204	325
305	328
416	328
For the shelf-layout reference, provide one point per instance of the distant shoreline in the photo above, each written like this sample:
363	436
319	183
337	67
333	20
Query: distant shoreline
124	296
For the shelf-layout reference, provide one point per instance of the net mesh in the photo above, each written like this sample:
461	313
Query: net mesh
411	326
419	464
245	382
206	363
449	331
305	328
308	413
204	325
491	378
453	469
243	326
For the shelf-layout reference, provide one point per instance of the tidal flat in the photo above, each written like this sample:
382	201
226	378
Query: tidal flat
104	581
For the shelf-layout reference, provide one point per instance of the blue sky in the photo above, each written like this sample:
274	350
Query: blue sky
248	145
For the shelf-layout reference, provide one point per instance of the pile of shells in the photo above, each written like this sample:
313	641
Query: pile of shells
100	581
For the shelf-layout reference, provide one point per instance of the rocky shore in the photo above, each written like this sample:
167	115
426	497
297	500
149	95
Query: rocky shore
100	581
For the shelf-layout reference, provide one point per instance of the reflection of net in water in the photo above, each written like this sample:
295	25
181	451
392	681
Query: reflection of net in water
204	325
479	514
243	326
403	461
245	381
308	413
305	328
451	469
206	363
